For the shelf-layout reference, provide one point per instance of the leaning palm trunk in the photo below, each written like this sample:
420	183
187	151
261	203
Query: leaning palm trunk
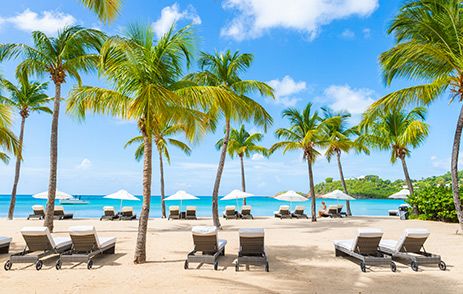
408	181
343	182
454	169
161	173
140	248
243	180
53	159
215	192
312	192
17	170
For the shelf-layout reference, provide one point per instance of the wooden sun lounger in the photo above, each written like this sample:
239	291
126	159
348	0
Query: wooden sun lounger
109	213
283	212
335	211
39	244
174	212
230	212
85	246
299	212
246	212
364	249
59	214
127	214
38	212
5	244
190	212
252	251
410	249
207	248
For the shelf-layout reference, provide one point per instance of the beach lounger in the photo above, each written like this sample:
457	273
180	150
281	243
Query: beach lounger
174	212
252	251
207	248
333	211
59	214
109	213
283	212
340	212
190	212
127	213
5	244
410	249
393	212
246	212
39	244
230	212
38	212
299	212
364	248
85	246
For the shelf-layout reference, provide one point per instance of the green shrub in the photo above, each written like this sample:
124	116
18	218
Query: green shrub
434	203
329	180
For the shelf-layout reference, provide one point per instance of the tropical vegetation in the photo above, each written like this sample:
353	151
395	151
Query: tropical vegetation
8	141
433	203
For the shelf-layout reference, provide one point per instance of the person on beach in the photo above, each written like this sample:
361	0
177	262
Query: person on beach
323	211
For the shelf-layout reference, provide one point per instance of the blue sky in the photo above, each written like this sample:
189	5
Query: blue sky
319	51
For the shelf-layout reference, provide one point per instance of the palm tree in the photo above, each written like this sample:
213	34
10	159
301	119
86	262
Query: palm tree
161	134
144	73
27	97
223	70
107	10
243	144
428	50
398	131
340	139
73	50
8	141
306	133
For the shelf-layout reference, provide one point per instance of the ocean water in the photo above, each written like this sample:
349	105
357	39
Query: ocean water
261	206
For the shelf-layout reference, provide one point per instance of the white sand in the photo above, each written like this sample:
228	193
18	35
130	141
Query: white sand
301	256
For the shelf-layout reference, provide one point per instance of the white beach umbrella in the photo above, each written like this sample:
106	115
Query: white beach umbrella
181	195
402	194
59	195
338	195
122	195
237	194
290	196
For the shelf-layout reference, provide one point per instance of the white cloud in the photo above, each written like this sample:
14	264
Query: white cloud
48	22
85	164
284	90
355	101
255	17
348	34
257	156
172	14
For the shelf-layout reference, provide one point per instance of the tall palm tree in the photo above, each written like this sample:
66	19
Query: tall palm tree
107	10
73	50
243	144
144	73
223	70
8	141
27	97
161	139
341	138
398	131
427	50
306	133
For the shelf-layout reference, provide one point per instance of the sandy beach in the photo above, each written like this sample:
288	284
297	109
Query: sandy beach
301	257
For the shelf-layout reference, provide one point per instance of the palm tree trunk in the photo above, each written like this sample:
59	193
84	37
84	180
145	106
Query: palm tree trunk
215	192
161	173
343	182
408	181
243	180
140	248
454	169
53	160
18	169
312	192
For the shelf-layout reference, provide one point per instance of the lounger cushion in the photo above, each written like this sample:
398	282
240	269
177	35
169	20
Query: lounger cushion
127	209
408	233
90	230
5	240
370	232
191	208
230	207
173	208
389	244
284	207
38	231
300	207
333	207
252	232
60	208
108	208
246	207
347	244
106	241
62	241
204	231
37	207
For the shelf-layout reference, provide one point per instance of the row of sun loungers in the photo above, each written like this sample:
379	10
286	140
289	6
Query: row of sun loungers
369	249
175	213
39	213
126	213
82	245
284	212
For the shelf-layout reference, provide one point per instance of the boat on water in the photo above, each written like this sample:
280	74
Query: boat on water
73	201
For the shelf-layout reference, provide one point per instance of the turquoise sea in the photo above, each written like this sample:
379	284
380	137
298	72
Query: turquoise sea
261	206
